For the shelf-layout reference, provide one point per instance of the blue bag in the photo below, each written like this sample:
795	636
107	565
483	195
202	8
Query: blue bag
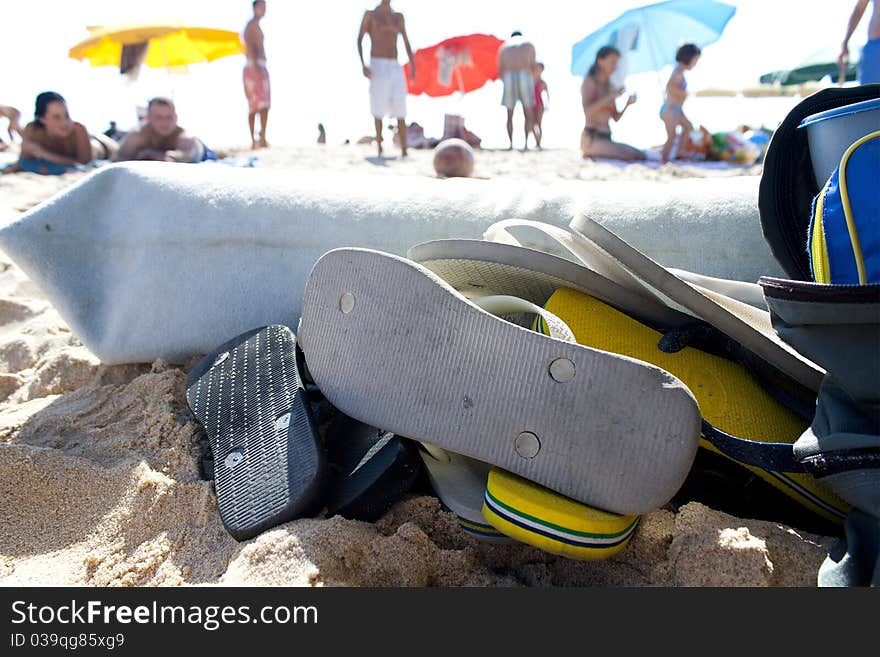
844	236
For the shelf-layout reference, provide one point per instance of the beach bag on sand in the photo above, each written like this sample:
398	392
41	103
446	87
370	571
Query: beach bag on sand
831	314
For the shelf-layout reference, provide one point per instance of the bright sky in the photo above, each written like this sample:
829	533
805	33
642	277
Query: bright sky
316	77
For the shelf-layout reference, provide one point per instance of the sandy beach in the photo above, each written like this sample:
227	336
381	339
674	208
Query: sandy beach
99	465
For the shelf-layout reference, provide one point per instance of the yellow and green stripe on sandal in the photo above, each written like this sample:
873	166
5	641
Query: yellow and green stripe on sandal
540	517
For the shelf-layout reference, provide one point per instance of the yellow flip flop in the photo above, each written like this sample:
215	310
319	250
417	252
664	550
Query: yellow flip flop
728	396
537	516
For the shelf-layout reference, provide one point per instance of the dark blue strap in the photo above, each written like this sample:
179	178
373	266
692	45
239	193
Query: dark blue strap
779	457
774	457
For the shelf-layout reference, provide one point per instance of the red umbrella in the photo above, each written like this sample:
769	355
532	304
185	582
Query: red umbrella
462	63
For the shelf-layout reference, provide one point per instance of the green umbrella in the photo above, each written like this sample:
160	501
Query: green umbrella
815	68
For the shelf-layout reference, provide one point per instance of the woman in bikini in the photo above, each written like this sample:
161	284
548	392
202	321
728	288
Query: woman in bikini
671	111
600	107
53	137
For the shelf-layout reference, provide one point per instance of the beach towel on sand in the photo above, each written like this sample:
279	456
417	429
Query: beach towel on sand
46	168
153	260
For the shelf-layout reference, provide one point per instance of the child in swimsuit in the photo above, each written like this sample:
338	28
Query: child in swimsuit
540	89
671	111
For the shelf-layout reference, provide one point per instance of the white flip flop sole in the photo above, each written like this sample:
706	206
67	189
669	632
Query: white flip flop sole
392	345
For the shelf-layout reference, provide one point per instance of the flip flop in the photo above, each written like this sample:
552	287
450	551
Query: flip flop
558	414
537	516
268	461
460	484
731	399
369	469
747	325
524	511
505	267
734	307
478	268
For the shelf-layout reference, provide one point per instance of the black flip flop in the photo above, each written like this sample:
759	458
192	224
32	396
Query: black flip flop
370	469
268	463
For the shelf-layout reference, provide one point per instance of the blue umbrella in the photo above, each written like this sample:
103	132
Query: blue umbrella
660	29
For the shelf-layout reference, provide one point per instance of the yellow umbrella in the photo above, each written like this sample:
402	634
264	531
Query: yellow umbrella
165	45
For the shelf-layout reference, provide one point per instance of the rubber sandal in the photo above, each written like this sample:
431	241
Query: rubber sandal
559	414
268	463
369	469
460	484
537	516
749	326
731	399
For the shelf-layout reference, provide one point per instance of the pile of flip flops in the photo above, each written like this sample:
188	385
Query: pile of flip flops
554	400
551	400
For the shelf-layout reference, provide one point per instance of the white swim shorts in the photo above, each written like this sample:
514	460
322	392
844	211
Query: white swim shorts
387	89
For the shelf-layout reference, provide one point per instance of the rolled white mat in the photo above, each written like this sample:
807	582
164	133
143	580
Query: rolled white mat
153	260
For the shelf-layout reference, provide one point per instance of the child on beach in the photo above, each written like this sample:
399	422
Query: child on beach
671	111
541	89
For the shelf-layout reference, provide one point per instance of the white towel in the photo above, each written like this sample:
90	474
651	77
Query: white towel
153	260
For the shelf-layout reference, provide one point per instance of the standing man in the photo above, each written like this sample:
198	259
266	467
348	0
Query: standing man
256	75
516	63
869	63
387	81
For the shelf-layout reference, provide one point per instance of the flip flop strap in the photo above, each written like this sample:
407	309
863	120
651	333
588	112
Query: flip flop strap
502	304
780	457
586	253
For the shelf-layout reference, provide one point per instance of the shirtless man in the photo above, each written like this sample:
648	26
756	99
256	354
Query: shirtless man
869	64
387	81
516	65
599	101
256	75
160	138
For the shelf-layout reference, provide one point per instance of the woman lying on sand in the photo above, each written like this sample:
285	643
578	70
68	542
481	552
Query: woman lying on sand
599	108
52	142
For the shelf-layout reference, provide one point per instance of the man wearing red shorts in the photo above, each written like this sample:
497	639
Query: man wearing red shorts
256	75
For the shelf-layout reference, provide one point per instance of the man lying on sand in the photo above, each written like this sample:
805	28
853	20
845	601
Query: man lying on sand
53	143
160	138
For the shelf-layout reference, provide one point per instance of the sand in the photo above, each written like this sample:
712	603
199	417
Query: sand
100	482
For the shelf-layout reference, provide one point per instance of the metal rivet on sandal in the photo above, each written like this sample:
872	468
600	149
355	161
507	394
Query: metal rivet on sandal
562	370
346	302
234	457
282	422
220	358
527	445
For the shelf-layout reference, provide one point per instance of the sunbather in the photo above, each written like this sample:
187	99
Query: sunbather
52	142
160	138
599	101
